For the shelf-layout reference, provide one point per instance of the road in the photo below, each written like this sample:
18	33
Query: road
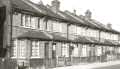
104	65
110	67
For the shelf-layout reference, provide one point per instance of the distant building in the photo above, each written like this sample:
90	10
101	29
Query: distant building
39	36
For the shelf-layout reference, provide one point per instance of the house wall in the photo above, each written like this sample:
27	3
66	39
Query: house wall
23	23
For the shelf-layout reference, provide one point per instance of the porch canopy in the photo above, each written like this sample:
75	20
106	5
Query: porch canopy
59	37
111	42
42	35
34	35
83	39
92	40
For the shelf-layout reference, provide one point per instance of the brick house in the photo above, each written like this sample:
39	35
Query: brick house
39	36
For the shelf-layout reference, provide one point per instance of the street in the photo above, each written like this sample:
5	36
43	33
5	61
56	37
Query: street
110	67
105	65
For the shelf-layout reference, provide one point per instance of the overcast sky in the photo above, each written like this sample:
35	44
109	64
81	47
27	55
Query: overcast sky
105	11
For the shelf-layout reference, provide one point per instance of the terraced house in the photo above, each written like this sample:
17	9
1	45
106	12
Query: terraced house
38	36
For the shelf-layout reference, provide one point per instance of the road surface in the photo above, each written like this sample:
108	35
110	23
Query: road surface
110	67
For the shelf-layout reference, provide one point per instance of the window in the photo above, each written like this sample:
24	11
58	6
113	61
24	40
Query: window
33	22
49	25
23	20
55	27
22	48
19	48
65	49
99	50
84	51
27	21
78	31
14	49
64	28
42	49
35	49
73	29
75	50
36	22
16	19
41	25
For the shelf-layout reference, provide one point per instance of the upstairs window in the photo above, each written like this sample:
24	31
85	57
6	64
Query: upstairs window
33	22
27	21
23	20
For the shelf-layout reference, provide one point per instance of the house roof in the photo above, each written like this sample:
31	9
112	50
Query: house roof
46	10
21	4
70	18
76	17
103	26
41	9
90	22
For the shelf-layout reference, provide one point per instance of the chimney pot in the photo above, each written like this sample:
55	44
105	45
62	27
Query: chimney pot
88	14
109	25
74	11
40	2
55	5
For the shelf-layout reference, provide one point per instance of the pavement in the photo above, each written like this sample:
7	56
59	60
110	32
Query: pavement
91	65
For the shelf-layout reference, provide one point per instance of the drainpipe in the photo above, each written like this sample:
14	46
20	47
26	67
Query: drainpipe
68	40
101	57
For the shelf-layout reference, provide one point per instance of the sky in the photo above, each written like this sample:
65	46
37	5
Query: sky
104	11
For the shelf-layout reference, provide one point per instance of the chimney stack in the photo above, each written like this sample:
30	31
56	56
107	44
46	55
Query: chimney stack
88	14
40	2
74	11
109	25
55	5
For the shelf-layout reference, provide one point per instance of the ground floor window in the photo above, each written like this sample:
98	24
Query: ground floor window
14	49
19	48
65	50
22	48
98	50
35	49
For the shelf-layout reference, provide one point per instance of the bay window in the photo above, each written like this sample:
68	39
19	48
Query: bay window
75	50
84	51
65	50
22	48
35	49
14	49
98	50
19	49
